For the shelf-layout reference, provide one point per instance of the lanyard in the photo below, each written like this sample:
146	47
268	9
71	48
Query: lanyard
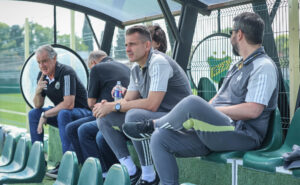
241	63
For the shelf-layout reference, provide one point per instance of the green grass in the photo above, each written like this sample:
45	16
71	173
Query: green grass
15	103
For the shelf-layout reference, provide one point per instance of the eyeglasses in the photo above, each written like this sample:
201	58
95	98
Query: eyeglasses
231	31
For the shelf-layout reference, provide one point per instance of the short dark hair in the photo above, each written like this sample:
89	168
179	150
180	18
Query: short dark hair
252	25
142	30
158	35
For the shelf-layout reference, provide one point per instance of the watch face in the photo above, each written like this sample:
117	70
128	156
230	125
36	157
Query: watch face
118	107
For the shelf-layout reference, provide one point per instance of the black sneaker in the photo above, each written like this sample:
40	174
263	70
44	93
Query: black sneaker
53	173
138	130
134	178
143	182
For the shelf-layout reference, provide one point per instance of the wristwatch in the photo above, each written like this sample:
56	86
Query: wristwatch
43	115
118	107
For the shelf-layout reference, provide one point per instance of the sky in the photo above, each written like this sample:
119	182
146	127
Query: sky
15	12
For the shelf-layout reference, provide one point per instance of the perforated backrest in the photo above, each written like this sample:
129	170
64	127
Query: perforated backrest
206	88
91	172
274	137
117	174
68	170
293	136
8	149
22	151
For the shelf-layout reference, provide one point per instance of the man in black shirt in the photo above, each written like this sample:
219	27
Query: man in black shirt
84	134
62	86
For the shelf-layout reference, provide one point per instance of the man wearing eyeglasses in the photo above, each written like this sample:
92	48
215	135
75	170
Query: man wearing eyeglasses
236	119
62	86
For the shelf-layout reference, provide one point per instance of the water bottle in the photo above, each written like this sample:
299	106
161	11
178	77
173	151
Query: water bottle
118	91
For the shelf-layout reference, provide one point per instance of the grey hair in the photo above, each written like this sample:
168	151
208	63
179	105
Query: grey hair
95	55
49	49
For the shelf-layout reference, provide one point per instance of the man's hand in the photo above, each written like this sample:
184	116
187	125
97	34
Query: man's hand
40	125
41	84
102	109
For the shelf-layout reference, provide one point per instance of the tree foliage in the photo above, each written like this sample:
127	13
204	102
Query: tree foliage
12	39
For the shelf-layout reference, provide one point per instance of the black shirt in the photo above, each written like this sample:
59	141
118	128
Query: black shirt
65	83
104	77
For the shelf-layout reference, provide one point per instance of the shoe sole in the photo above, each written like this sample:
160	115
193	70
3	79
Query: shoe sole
136	139
51	175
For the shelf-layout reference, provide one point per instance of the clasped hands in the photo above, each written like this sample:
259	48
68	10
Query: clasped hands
103	108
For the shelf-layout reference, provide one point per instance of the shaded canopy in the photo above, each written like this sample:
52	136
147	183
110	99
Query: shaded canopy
126	12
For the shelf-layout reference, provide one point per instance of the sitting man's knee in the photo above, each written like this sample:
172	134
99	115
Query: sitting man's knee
81	131
134	115
34	113
69	130
63	113
102	123
156	138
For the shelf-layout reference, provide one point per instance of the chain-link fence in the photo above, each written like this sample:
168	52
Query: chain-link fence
210	58
211	55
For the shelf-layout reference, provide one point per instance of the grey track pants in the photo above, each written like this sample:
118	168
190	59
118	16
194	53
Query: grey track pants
195	128
117	140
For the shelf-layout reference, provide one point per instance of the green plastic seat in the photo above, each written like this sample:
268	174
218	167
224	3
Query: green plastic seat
206	88
34	171
117	174
8	150
273	140
296	172
91	172
268	160
2	138
68	170
20	157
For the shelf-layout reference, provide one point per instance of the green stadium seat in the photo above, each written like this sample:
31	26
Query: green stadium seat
34	171
117	174
8	150
20	157
268	160
68	170
273	140
206	88
2	139
91	172
222	157
296	172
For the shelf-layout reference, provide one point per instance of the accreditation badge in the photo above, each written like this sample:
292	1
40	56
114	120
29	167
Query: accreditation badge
57	85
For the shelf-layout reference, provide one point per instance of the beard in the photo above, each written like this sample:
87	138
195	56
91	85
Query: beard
235	50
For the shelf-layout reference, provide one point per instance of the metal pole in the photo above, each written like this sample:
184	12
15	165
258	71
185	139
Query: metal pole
92	29
294	53
72	35
54	26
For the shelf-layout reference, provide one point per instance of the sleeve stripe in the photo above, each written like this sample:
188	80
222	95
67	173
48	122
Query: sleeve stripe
67	85
155	82
260	91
